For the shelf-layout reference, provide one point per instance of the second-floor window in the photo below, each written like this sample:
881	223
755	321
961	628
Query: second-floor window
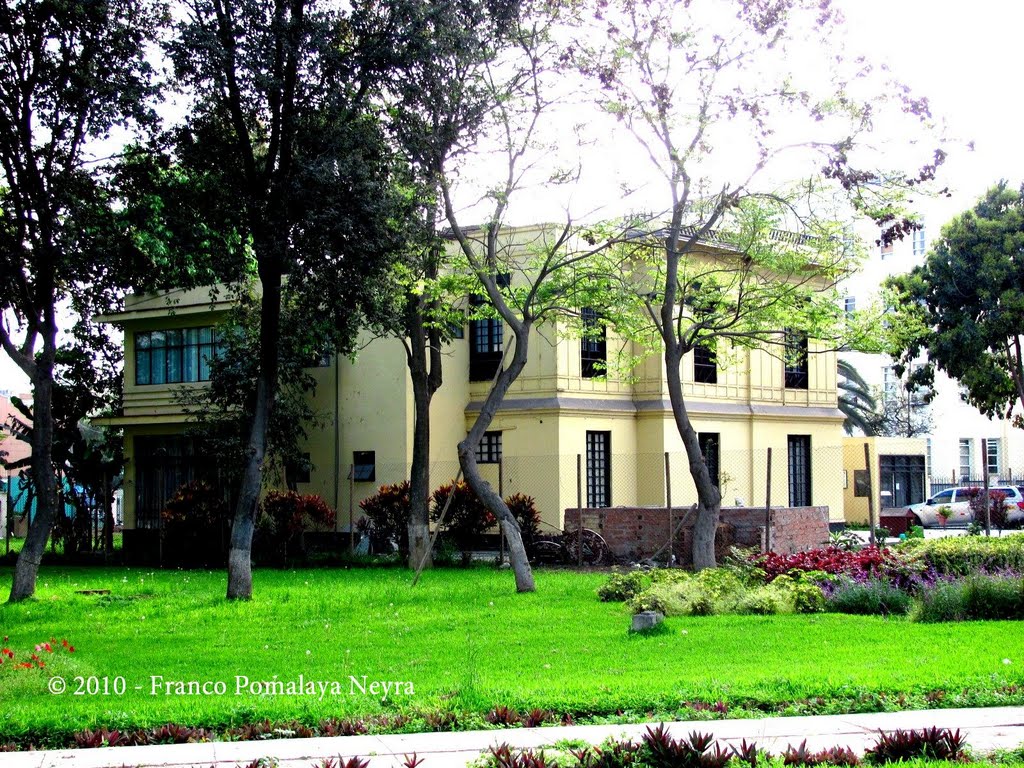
705	365
593	345
174	356
486	339
920	242
796	359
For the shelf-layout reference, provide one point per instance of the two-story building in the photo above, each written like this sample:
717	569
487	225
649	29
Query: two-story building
564	411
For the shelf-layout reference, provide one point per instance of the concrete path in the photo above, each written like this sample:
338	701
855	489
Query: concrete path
985	729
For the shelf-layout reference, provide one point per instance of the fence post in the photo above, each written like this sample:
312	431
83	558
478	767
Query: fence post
768	506
351	496
984	485
871	496
10	513
501	492
668	506
579	508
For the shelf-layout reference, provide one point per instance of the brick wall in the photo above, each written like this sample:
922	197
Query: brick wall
637	533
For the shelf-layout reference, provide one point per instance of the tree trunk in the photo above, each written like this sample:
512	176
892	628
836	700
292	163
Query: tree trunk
240	548
483	490
709	498
419	475
27	566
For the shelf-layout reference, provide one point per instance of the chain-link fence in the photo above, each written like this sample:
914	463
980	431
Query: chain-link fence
799	477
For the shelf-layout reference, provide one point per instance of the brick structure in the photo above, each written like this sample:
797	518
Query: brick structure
637	533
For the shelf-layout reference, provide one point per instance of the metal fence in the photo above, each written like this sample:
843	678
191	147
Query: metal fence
561	481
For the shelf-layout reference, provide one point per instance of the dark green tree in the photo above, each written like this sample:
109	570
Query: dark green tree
70	71
964	307
856	401
284	129
441	104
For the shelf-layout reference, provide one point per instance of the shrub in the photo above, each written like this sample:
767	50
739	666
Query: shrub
872	597
872	562
996	506
763	601
194	523
388	514
284	516
977	597
524	510
964	555
622	586
808	598
466	519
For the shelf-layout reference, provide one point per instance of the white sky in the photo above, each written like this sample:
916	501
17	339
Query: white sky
963	56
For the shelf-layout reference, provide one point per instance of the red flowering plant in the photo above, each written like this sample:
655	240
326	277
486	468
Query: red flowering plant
36	660
466	519
860	565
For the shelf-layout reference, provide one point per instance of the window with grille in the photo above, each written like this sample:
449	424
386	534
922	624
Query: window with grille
796	366
489	450
705	365
709	442
486	339
799	470
965	458
593	345
599	474
992	455
176	355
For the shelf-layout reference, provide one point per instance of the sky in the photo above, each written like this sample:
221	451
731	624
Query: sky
961	56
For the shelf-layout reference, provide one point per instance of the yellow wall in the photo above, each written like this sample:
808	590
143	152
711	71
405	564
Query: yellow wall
856	507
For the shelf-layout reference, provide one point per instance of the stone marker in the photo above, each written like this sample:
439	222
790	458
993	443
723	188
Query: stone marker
646	620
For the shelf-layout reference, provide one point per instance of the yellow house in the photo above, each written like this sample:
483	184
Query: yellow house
562	413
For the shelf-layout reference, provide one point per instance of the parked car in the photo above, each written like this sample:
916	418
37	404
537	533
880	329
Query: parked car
958	501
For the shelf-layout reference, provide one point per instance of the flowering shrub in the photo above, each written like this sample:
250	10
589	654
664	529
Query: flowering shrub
867	562
286	515
35	660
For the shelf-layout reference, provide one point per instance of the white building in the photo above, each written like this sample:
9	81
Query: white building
955	449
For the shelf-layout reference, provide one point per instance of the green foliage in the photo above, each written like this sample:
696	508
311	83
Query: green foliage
872	598
964	555
622	586
976	597
388	513
808	598
466	519
963	307
762	601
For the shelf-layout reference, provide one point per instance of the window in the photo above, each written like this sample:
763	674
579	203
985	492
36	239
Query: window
173	356
593	345
599	471
705	365
796	359
799	470
364	466
920	242
164	463
943	497
486	339
884	248
850	305
992	455
708	442
965	458
890	384
489	450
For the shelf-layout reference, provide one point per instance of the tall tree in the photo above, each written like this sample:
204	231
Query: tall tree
70	71
284	103
856	400
964	307
440	108
717	97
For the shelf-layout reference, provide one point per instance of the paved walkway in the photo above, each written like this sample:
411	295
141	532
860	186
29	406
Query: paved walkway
985	729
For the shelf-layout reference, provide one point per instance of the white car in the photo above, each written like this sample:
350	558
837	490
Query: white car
958	501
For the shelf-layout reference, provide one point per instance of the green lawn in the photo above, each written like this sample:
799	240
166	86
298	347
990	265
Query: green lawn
466	642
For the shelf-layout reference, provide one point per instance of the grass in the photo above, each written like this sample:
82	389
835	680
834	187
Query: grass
466	642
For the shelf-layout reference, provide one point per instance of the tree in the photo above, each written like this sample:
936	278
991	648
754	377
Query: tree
904	414
856	401
284	128
440	107
69	73
964	307
717	97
